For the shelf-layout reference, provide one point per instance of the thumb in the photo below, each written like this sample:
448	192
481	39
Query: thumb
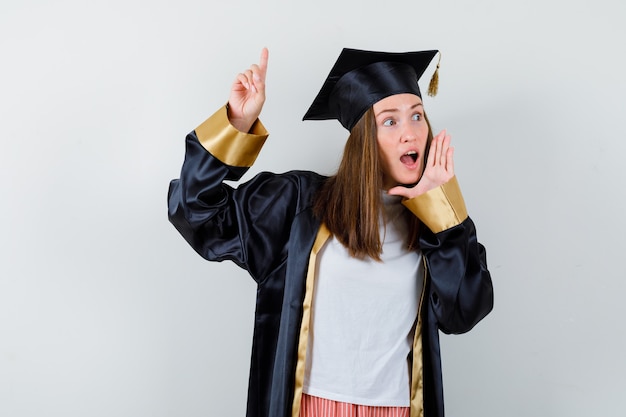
399	190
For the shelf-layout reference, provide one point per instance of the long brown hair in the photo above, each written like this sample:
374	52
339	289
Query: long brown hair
349	202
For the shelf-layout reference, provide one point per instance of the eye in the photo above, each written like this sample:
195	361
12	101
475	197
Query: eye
388	122
416	117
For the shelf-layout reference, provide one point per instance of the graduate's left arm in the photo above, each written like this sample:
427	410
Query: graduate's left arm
460	288
461	291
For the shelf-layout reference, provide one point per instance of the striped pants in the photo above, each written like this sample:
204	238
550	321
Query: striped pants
320	407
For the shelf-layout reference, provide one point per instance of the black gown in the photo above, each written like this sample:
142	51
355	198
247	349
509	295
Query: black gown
266	226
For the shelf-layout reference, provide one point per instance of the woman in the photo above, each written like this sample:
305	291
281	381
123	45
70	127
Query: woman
356	272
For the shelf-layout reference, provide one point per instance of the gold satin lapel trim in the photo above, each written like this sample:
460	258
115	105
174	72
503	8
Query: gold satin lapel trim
229	145
440	208
322	236
417	369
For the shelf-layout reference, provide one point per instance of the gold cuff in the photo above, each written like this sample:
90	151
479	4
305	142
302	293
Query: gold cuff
440	208
229	145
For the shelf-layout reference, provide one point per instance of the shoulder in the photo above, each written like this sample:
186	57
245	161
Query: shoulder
292	185
304	181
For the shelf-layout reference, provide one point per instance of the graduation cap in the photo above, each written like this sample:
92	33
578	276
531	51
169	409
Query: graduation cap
361	78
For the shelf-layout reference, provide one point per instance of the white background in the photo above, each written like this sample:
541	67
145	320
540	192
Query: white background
106	311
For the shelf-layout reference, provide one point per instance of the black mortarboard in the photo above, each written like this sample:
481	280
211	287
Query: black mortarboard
361	78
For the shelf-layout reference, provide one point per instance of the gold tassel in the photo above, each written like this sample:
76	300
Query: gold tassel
433	87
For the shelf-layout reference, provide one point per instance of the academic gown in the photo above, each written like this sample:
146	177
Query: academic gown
266	226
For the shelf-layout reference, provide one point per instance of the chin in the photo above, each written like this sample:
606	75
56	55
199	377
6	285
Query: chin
409	181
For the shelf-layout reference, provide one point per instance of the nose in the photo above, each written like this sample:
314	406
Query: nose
408	133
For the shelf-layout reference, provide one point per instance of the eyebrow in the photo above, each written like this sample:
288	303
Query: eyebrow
392	110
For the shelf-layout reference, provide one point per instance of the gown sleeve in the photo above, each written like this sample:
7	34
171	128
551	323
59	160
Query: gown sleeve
460	291
248	225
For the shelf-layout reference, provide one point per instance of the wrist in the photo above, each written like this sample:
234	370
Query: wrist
240	123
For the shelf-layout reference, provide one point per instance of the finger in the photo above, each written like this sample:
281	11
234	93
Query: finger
258	79
445	145
447	156
445	137
249	79
242	80
400	190
450	160
436	149
442	148
263	61
446	142
430	158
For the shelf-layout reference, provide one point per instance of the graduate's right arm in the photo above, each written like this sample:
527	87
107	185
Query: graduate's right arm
215	218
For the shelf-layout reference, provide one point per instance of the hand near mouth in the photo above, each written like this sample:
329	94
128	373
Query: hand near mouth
439	168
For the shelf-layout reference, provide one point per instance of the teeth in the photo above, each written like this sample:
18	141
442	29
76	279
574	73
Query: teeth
412	155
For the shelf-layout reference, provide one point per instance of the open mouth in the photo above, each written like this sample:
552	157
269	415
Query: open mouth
409	158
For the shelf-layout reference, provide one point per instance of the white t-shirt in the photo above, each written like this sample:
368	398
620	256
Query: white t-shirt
362	320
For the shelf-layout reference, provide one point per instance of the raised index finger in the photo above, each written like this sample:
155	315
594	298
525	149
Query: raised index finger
263	60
